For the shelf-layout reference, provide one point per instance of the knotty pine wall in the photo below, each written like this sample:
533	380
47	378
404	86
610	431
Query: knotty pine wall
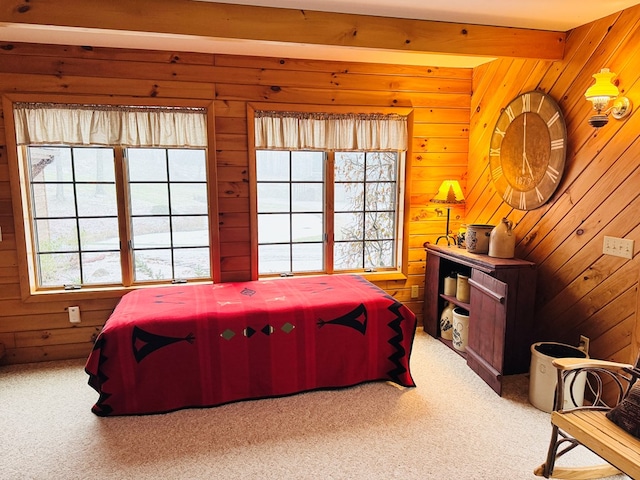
441	98
579	291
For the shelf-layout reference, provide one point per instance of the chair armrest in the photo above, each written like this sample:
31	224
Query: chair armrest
574	363
618	376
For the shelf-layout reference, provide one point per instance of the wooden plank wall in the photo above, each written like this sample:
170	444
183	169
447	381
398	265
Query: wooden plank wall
36	331
579	290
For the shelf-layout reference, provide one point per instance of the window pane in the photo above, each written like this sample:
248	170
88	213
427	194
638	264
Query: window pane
99	234
93	165
273	259
59	269
349	166
272	166
56	235
381	196
349	197
274	228
379	225
50	164
101	267
97	200
307	166
190	231
192	263
152	265
307	257
379	254
348	255
149	199
147	164
307	197
187	165
273	197
150	232
381	166
189	198
348	226
53	200
307	227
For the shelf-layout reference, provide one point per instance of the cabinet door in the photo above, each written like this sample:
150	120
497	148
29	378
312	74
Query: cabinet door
431	307
487	328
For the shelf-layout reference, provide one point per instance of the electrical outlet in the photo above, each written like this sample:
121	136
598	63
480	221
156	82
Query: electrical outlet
619	247
415	291
74	314
584	344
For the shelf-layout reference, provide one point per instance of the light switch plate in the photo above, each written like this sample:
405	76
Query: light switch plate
619	247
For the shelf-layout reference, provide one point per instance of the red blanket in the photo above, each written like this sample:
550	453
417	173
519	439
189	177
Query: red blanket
175	347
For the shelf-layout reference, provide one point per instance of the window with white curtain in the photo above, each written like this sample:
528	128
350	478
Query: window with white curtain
116	195
329	192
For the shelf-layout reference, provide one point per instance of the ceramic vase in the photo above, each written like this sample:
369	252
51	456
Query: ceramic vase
450	285
477	238
460	329
446	322
463	292
502	242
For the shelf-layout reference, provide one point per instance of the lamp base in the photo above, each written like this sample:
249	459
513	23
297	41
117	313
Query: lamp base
449	238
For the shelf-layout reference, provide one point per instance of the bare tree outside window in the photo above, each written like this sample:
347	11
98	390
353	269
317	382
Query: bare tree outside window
293	214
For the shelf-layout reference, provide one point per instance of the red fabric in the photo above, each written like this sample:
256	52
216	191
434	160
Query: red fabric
174	347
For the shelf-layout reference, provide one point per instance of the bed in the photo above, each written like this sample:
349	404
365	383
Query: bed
186	346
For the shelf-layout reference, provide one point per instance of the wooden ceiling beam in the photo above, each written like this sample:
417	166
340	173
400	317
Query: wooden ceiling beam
219	20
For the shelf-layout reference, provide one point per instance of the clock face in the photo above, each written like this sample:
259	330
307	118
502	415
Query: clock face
528	150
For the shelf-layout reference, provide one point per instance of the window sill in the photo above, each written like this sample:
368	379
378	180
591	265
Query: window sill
383	276
94	293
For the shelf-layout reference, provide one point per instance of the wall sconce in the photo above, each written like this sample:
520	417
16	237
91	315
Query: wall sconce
449	194
600	94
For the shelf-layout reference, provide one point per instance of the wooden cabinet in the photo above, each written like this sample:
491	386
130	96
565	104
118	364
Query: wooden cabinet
500	309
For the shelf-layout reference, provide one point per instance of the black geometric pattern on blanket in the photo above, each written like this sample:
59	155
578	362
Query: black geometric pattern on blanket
356	319
145	343
395	341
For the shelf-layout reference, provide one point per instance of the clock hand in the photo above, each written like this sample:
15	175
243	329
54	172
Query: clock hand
524	142
528	166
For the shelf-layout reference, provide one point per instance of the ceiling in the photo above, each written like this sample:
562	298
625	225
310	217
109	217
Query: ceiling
557	15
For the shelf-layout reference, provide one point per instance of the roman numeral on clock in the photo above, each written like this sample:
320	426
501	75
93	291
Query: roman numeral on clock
557	144
508	194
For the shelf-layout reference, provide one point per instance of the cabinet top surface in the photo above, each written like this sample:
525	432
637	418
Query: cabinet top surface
461	255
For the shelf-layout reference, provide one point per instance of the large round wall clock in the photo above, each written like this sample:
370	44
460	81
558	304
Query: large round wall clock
528	150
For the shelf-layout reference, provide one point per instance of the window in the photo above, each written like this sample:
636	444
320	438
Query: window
117	214
331	209
294	216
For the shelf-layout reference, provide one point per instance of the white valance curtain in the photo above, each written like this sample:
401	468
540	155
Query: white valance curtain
167	127
329	131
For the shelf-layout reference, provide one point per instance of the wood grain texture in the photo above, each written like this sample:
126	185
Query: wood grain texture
439	99
580	291
207	19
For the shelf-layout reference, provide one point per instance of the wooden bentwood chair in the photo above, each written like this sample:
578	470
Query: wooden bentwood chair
607	385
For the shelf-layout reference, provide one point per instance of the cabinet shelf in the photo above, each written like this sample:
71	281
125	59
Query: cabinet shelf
500	309
455	301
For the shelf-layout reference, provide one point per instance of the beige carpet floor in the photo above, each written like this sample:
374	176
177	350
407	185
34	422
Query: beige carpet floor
452	426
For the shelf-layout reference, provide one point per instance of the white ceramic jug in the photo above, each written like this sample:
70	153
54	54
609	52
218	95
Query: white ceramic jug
502	242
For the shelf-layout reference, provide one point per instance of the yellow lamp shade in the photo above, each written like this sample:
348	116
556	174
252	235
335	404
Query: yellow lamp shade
603	88
449	192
